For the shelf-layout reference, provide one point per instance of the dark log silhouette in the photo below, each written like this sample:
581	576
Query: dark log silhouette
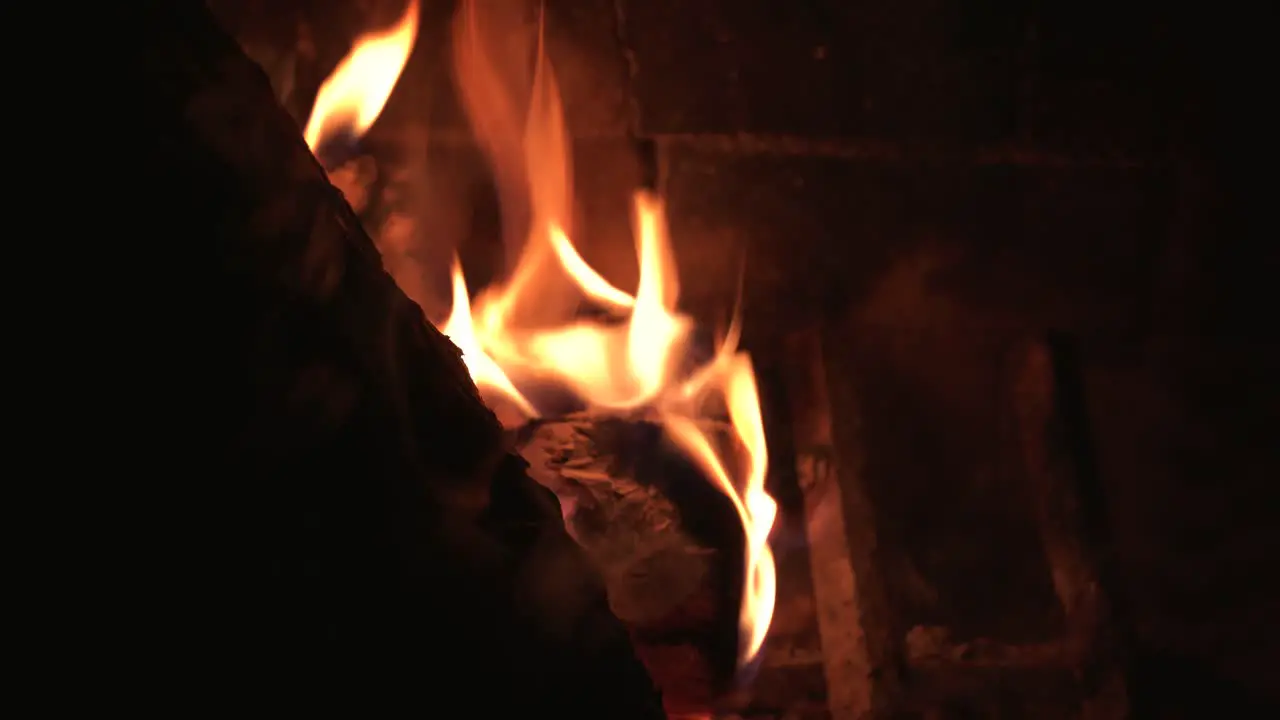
364	534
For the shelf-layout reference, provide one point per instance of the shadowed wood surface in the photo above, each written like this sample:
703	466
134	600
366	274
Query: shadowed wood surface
369	540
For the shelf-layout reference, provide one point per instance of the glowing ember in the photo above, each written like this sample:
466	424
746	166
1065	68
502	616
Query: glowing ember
511	333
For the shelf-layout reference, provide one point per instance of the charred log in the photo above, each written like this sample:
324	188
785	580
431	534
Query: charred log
667	543
369	539
632	531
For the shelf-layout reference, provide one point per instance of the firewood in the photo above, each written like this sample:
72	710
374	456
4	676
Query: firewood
668	544
371	538
630	529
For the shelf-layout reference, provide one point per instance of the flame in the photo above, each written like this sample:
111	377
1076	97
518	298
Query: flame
757	510
461	330
595	286
353	96
526	330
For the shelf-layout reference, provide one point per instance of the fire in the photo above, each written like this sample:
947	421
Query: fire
524	330
354	95
461	330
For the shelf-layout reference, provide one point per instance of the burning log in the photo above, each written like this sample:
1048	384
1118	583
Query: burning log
374	541
668	545
630	529
525	331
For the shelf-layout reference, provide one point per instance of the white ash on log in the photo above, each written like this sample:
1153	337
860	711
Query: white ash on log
369	541
629	528
667	543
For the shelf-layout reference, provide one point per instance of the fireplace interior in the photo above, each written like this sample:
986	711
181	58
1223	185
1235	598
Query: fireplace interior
1007	367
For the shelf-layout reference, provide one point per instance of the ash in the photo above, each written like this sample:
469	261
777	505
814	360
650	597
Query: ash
629	528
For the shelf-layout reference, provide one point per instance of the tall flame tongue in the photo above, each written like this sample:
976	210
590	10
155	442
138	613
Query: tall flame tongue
353	96
525	328
735	379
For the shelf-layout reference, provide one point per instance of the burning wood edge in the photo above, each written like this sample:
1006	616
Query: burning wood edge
354	179
523	330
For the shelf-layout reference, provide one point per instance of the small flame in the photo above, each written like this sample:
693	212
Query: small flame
461	330
736	380
525	329
611	366
595	286
354	95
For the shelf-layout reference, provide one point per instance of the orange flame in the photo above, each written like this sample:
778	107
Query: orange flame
354	95
461	330
736	380
524	329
